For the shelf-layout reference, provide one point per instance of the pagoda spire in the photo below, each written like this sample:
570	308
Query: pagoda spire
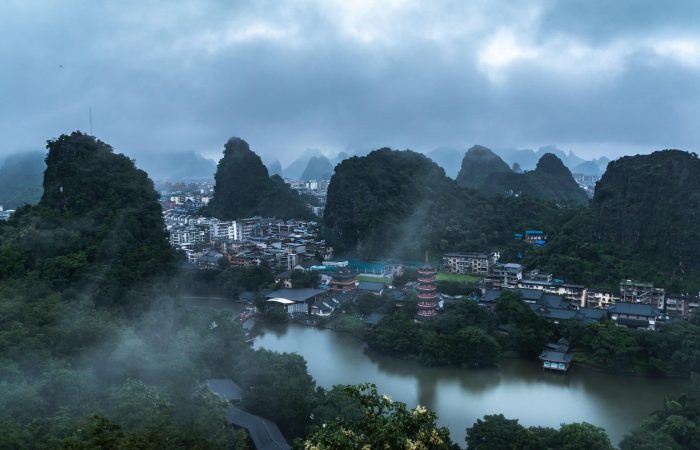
427	291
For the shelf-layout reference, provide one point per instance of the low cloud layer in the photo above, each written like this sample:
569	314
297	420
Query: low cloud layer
593	76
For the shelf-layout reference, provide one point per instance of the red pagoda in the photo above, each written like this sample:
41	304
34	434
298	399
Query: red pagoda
427	292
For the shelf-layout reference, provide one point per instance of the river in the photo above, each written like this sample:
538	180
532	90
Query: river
518	389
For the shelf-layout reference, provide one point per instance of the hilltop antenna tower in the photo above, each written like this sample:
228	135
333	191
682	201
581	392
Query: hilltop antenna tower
91	121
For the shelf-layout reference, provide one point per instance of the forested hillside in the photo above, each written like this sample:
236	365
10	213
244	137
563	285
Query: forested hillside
478	163
97	347
98	226
400	204
643	222
244	189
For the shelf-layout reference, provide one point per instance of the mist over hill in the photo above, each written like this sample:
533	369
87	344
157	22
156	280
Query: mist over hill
274	167
318	168
448	158
551	181
177	165
21	175
527	159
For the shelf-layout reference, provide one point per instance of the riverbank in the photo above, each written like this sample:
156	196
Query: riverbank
518	388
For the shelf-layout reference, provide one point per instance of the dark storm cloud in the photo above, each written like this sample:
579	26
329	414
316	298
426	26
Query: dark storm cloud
336	75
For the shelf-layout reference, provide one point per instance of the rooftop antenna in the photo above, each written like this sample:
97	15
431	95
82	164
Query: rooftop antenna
426	256
91	121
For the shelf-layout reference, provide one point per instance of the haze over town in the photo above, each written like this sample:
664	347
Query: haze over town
597	78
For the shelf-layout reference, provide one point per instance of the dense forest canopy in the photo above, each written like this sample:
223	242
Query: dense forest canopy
244	189
400	204
98	223
478	163
643	222
98	348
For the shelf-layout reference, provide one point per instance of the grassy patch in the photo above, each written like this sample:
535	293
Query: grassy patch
386	280
458	277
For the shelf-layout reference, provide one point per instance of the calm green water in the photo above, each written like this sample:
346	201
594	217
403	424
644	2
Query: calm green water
518	389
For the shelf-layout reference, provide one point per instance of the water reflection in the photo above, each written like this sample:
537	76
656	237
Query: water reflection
518	389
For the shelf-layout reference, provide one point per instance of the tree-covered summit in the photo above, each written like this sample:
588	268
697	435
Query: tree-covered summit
643	222
400	204
243	187
478	163
98	223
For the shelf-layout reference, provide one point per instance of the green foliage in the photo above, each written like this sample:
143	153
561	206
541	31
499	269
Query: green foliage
400	203
93	350
368	303
495	432
642	223
305	279
385	423
244	189
528	333
673	350
675	426
98	226
461	335
478	163
280	389
409	274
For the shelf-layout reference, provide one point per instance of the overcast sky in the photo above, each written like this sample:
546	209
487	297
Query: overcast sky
598	77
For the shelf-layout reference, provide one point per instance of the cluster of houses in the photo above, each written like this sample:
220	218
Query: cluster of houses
316	189
186	197
636	304
336	288
283	244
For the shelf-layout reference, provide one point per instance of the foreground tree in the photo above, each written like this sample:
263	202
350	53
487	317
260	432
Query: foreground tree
383	424
495	432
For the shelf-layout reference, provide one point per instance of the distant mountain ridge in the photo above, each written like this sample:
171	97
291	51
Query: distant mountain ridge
312	164
450	159
551	181
318	168
527	158
176	165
